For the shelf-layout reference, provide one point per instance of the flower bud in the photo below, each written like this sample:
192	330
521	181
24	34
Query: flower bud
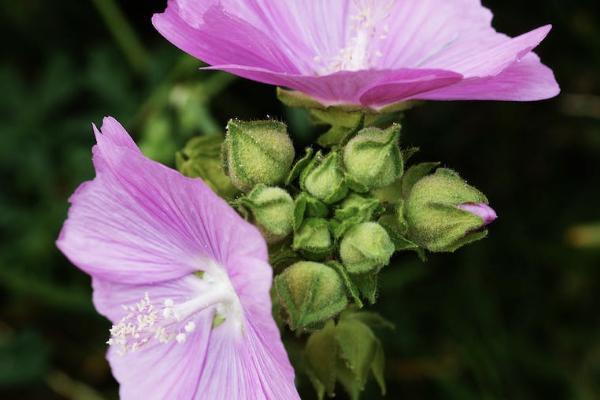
257	152
306	206
324	178
444	213
313	239
201	158
366	247
272	210
372	158
311	293
354	210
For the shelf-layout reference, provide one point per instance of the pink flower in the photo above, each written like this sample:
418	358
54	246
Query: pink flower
183	278
363	52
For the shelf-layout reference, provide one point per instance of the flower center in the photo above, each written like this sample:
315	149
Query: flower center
164	320
367	29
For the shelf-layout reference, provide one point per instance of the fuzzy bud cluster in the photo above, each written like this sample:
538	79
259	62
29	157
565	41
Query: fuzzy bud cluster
335	217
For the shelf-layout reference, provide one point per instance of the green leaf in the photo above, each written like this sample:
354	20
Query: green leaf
299	166
334	136
378	367
344	126
408	153
351	288
307	206
367	285
292	98
321	356
357	349
338	117
201	158
369	318
396	227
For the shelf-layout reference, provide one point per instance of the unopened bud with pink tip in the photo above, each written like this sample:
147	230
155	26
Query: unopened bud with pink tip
482	210
443	212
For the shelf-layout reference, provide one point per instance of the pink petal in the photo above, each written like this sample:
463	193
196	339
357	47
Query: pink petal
369	88
139	221
301	45
406	84
226	38
248	369
524	80
493	59
212	363
420	30
109	297
165	371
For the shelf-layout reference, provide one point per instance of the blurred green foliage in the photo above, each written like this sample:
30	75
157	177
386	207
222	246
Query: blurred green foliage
514	316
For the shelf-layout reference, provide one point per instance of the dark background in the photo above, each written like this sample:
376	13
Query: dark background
514	316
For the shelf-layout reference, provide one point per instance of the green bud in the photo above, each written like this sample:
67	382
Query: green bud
311	293
306	206
372	158
366	247
313	239
324	178
272	209
355	205
201	158
354	210
444	213
347	352
257	152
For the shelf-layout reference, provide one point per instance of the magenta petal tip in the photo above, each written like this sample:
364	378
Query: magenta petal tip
482	210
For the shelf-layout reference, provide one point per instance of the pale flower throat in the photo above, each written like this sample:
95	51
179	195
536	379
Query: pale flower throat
150	322
367	29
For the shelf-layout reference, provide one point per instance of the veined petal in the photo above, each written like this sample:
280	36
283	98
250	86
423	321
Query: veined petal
141	222
224	39
351	44
248	369
407	84
205	361
494	59
524	80
369	88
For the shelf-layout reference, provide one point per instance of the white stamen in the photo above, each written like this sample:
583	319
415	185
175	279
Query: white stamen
147	321
190	326
367	28
180	338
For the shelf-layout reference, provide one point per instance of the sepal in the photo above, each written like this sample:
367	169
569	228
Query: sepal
307	206
201	158
347	352
355	209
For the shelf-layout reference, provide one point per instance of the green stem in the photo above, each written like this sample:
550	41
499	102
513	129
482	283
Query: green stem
124	34
160	94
